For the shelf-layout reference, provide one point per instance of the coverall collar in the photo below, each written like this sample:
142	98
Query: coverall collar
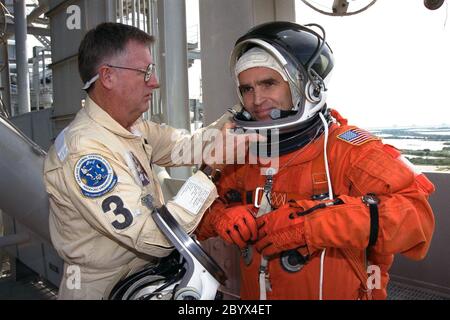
304	154
310	151
100	116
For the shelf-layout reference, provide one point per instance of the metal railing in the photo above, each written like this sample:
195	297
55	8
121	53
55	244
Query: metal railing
143	15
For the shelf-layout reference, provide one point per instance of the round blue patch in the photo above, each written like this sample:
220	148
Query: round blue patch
94	175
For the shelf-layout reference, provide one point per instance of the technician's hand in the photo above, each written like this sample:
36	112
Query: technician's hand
230	146
280	230
237	225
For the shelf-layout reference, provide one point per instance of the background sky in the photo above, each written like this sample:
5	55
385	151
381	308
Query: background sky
392	62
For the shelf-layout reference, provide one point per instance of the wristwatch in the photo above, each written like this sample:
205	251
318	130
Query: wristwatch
212	174
372	201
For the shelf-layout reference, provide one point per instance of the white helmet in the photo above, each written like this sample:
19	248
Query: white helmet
188	273
305	60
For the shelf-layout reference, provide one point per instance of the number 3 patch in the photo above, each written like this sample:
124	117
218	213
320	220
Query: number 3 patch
120	210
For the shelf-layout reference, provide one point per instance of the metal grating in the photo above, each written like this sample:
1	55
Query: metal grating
397	291
26	285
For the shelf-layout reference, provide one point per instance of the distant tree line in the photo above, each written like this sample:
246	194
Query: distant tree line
411	134
430	162
444	154
426	138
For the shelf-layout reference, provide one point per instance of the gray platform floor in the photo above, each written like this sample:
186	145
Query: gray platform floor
399	291
26	285
29	286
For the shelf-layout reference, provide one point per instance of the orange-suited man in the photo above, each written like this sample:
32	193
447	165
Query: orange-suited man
327	219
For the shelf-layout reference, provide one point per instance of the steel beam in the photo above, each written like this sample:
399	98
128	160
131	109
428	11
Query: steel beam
23	77
174	69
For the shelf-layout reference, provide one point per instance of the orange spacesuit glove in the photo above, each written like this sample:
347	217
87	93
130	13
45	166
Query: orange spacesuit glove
283	229
235	225
280	230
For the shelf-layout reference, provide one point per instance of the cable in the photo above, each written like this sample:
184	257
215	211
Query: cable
5	13
322	259
312	74
307	2
327	169
446	14
3	110
330	195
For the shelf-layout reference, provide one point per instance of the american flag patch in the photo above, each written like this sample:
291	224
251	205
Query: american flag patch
357	136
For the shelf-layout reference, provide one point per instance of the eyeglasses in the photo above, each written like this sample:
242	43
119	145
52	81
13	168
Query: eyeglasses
147	73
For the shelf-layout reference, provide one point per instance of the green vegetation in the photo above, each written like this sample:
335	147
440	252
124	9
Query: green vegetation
417	133
445	153
444	156
422	157
430	162
425	138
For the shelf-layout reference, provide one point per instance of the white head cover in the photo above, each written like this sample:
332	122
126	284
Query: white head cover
258	57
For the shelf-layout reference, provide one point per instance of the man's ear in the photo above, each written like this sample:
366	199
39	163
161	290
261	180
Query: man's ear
106	77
